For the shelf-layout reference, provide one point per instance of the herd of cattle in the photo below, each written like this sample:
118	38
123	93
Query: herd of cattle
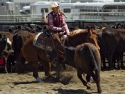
111	41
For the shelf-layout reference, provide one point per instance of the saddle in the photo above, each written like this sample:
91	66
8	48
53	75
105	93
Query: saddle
43	41
46	41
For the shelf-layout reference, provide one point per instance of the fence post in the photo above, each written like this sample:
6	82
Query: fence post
81	24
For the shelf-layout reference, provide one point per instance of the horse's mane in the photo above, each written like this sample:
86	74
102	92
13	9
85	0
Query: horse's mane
77	32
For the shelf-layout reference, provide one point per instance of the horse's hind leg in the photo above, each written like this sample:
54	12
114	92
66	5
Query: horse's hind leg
83	81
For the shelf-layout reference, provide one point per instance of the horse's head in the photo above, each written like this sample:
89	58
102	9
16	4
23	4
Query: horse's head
91	37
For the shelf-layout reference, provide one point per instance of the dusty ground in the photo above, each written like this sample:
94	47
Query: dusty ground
112	82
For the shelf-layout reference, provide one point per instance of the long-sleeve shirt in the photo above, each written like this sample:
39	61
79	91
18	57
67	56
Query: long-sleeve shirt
56	22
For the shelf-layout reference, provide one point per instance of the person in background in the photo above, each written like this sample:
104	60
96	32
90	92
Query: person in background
57	25
43	18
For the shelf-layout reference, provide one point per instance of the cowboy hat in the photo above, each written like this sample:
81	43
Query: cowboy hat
54	4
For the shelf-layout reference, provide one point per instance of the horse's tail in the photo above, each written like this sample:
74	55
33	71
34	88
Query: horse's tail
94	61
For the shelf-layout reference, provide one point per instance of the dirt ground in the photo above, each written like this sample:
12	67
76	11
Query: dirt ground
112	82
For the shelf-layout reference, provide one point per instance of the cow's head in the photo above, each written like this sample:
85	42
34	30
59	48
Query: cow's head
23	66
20	64
9	46
19	67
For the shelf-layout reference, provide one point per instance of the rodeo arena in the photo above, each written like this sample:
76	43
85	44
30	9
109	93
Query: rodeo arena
37	60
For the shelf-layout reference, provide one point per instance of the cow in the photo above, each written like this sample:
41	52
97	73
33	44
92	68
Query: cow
112	41
19	39
86	59
3	41
8	50
3	46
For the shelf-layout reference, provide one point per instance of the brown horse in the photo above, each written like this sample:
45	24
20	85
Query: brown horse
34	54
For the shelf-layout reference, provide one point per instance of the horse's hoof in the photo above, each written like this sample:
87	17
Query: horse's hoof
39	79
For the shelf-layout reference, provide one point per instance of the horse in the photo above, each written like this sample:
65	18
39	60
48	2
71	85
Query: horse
33	54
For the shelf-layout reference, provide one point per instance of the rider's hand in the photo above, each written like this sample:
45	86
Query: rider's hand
63	29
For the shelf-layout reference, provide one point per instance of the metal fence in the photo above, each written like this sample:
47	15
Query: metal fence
4	26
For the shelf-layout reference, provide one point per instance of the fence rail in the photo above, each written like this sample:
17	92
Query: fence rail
93	16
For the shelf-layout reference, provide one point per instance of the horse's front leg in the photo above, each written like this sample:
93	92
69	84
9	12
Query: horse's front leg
35	72
47	67
59	67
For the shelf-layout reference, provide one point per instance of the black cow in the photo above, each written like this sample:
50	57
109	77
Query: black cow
112	41
86	58
19	39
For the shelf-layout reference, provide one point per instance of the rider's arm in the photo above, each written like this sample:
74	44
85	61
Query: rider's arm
66	27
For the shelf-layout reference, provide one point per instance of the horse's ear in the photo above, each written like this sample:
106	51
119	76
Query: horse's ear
89	30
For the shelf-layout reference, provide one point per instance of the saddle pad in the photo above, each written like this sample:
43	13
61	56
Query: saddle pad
1	61
42	41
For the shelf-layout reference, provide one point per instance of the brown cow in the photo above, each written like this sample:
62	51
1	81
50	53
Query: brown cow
86	59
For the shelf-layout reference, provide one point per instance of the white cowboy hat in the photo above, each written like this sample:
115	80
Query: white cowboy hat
54	4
